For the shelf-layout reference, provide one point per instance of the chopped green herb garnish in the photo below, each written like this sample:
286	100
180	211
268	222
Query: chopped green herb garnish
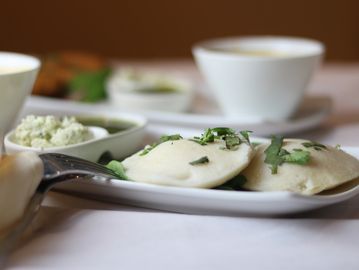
272	153
207	137
174	137
245	134
232	141
201	160
299	156
223	131
338	146
315	145
163	139
276	155
231	138
235	183
118	169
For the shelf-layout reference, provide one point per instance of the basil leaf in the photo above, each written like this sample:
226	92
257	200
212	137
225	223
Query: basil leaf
163	139
223	131
276	155
232	142
298	157
236	183
201	160
315	145
117	168
272	153
245	134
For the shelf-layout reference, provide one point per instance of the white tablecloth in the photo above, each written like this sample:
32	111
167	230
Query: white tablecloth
75	233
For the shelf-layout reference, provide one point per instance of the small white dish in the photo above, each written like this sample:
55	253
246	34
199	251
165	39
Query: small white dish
97	133
207	201
118	145
260	77
127	93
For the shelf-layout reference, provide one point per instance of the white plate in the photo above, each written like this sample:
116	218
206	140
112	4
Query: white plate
313	111
206	201
186	200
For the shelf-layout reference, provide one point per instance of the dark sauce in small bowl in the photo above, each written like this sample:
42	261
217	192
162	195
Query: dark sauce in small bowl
112	125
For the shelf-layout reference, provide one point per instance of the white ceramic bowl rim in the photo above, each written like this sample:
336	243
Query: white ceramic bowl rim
296	47
12	59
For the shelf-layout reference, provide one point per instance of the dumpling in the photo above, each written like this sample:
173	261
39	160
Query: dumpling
327	168
169	164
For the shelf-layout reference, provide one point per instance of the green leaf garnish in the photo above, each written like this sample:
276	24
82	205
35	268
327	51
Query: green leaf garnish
276	155
223	131
315	145
232	141
231	138
117	168
236	183
174	137
201	160
299	156
163	139
245	134
89	86
272	153
207	137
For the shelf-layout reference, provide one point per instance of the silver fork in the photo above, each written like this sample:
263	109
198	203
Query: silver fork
57	168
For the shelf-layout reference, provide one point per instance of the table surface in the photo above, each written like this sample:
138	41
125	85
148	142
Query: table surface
76	233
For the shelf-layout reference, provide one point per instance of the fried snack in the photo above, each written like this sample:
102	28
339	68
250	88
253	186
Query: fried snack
59	69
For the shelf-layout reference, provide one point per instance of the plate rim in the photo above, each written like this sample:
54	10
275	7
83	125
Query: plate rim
315	201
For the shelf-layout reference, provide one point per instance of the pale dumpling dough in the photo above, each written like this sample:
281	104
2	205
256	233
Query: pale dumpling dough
326	169
168	164
20	174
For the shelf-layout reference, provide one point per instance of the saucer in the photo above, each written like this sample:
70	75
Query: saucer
312	112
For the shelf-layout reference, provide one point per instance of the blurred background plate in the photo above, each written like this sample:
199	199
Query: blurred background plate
314	110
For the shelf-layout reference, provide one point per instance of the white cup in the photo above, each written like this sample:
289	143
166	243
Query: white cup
17	76
258	78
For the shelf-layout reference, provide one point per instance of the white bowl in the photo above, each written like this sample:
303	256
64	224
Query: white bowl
258	87
17	76
119	145
123	94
